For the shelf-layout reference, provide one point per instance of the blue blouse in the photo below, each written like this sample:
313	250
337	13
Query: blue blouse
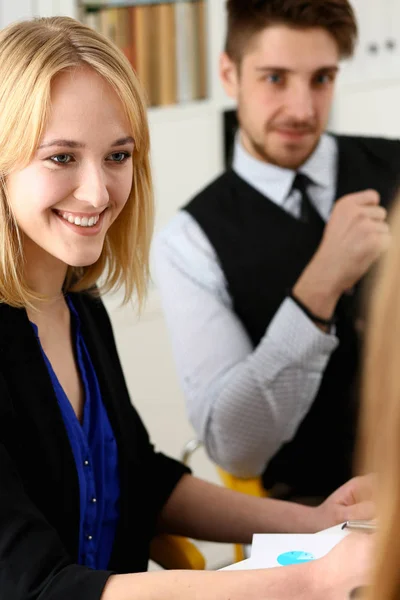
96	457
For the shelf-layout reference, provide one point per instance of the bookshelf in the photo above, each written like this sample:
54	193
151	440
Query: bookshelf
164	41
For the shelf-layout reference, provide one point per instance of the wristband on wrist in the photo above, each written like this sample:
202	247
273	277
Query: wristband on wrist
310	314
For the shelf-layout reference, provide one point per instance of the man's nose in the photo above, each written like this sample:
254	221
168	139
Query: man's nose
300	104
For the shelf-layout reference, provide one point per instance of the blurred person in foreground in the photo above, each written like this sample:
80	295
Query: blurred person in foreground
380	422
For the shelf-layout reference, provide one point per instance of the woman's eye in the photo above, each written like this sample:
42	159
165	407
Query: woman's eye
120	157
61	159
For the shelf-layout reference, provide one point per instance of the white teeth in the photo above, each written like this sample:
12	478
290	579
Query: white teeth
81	221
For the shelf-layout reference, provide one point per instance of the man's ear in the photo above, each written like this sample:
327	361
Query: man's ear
229	75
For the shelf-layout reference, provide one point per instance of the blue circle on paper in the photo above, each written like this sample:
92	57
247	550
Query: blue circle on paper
295	557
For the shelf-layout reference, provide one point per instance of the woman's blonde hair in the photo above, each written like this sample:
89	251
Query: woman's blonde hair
32	53
380	418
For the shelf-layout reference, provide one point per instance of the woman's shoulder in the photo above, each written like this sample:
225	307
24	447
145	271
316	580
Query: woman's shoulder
92	313
14	327
89	301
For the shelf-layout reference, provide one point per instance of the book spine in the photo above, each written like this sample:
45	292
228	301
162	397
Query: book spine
184	52
166	54
124	32
93	20
140	41
201	27
132	28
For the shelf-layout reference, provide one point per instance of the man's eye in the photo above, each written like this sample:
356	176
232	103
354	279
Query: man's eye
120	157
61	159
274	78
322	79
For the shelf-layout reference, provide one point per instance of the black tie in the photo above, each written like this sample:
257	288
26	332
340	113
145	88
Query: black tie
308	213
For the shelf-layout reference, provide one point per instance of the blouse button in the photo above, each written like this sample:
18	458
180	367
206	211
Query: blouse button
86	463
89	537
94	500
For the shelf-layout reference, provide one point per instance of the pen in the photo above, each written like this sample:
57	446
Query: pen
360	525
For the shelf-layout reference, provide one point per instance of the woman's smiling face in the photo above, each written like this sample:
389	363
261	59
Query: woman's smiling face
80	178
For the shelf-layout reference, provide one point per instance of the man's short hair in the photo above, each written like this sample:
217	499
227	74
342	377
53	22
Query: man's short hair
247	18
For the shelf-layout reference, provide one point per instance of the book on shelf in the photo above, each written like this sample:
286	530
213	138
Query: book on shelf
201	19
165	50
141	33
165	42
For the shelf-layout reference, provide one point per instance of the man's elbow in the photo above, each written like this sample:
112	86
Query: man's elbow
243	464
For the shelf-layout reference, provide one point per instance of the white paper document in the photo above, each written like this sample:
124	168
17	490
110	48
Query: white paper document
275	550
282	549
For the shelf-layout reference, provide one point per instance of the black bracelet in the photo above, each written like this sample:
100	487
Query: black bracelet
311	315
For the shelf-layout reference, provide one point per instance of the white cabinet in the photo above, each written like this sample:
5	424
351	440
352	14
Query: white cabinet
393	38
368	93
377	56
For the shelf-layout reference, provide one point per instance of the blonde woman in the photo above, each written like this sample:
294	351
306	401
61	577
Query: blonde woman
381	417
82	491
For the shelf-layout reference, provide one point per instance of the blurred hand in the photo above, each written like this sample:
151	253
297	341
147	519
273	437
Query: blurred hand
344	568
355	236
352	501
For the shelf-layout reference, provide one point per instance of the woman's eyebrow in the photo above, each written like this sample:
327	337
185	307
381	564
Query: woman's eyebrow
73	144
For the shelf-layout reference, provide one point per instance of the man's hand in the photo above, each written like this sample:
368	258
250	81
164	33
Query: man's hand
354	238
352	501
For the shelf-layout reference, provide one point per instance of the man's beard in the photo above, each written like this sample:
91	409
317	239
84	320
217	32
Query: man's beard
286	160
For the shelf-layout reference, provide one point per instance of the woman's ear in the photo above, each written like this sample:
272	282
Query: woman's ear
229	75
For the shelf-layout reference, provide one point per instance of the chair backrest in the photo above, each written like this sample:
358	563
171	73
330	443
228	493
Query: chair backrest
176	552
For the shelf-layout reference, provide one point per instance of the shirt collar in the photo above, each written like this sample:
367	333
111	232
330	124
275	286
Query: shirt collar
276	182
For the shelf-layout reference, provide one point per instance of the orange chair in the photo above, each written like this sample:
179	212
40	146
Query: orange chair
252	486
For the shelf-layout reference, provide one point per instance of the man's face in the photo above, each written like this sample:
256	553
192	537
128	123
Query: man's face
284	90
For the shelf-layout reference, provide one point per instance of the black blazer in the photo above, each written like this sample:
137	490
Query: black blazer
39	500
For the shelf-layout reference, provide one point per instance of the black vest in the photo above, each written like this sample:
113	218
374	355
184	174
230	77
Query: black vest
263	250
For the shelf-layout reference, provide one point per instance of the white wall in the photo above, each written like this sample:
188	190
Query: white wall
370	108
13	10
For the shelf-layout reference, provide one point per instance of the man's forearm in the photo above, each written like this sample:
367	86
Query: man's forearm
315	290
271	391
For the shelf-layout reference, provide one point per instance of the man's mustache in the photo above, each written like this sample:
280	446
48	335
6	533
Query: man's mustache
295	127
